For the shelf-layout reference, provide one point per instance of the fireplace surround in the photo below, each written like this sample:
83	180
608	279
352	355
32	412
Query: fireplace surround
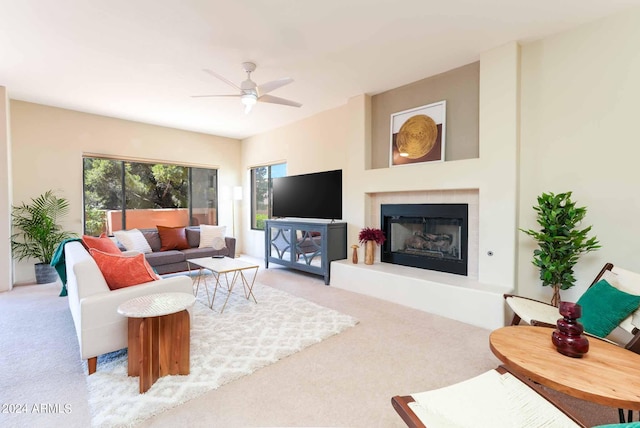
426	236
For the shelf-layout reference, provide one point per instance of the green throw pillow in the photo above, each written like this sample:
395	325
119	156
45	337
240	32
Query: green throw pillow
604	307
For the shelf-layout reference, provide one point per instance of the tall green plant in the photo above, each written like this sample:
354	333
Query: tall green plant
37	233
560	242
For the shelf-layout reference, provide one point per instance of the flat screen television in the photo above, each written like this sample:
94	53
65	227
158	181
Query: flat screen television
316	195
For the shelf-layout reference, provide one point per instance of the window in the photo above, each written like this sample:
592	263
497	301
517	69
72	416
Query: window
125	195
261	192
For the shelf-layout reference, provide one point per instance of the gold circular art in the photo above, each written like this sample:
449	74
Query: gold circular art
417	136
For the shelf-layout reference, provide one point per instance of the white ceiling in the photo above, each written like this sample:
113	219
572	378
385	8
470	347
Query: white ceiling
142	60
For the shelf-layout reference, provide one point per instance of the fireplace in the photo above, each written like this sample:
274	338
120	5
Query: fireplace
426	236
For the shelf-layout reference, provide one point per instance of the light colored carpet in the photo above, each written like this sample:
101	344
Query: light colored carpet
346	380
224	347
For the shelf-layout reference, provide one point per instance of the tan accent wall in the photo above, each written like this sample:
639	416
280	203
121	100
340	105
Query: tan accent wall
458	87
48	144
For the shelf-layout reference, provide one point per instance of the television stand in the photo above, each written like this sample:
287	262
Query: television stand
309	246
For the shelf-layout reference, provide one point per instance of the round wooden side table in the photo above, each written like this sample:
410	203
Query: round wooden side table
158	336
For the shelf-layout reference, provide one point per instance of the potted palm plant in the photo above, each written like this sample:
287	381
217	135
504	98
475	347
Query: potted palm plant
37	232
560	241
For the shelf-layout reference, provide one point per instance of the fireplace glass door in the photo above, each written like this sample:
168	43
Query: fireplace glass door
426	236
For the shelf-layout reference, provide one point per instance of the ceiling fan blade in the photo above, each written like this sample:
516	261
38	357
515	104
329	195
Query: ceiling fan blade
224	79
218	96
265	88
276	100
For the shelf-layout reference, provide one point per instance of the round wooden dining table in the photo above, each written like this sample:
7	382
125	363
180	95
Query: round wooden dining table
607	374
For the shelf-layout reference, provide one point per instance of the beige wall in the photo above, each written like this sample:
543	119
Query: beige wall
459	87
315	144
6	281
48	144
580	92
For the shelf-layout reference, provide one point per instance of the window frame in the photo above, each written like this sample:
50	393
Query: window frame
269	198
123	161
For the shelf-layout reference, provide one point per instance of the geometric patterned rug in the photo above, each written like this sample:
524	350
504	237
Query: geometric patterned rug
224	347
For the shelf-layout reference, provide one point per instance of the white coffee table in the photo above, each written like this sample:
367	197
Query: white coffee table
158	336
222	267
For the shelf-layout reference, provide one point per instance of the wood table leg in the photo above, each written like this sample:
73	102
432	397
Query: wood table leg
133	352
159	346
174	343
92	365
149	347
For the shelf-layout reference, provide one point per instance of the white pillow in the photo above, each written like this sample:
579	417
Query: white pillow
212	236
133	240
626	281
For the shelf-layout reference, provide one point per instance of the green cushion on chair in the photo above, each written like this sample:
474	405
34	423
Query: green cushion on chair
604	307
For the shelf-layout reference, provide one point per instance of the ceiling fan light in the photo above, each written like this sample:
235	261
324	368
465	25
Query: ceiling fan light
249	100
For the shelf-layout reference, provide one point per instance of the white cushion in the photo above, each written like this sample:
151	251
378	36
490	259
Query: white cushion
488	400
133	240
212	236
532	310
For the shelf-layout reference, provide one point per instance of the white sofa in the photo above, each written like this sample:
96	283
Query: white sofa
99	326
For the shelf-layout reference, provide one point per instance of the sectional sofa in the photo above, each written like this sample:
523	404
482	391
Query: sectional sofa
171	261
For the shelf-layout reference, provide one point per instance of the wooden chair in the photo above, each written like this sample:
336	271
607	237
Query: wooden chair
495	395
536	313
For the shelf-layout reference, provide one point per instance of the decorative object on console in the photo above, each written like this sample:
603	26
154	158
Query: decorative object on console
38	233
560	243
418	134
370	237
568	337
354	257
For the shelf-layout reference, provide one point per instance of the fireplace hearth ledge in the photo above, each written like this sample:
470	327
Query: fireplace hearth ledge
457	297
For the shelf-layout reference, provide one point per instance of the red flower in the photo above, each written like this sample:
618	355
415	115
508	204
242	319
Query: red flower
370	234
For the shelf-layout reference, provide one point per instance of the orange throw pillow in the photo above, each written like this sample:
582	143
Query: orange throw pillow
103	243
173	238
123	271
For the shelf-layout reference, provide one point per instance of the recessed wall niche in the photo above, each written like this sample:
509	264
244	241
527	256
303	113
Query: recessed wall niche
460	87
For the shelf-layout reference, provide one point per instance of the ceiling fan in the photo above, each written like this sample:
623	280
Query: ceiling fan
250	93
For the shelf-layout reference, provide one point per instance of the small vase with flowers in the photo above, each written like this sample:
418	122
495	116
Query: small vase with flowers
370	237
